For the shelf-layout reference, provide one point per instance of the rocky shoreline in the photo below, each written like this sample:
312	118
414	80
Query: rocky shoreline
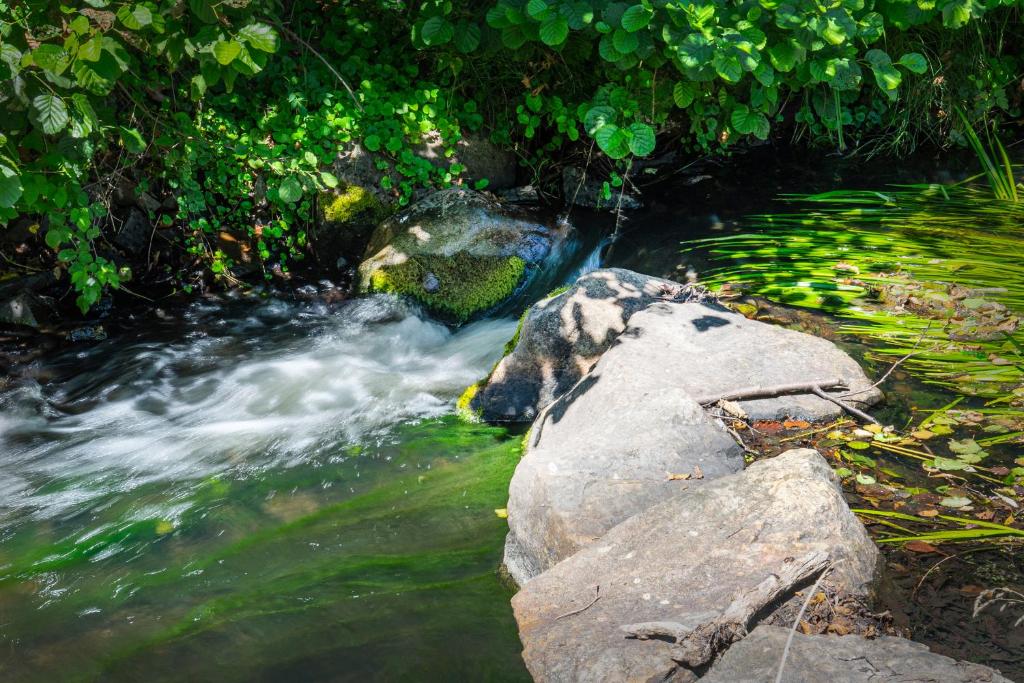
642	547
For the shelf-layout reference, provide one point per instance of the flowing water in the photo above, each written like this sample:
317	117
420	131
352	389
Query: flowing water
257	492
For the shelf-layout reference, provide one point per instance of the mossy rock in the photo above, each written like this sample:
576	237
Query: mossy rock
474	283
347	219
352	204
457	252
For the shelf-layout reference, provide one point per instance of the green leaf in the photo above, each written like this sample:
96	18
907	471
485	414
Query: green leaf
260	37
91	49
914	62
49	113
727	66
786	55
226	51
10	187
612	141
642	141
328	179
598	116
136	17
50	57
554	31
624	41
749	122
467	38
437	31
290	190
636	18
536	8
132	140
683	93
203	9
949	464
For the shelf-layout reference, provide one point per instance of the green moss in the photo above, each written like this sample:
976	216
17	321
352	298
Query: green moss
463	409
354	203
468	284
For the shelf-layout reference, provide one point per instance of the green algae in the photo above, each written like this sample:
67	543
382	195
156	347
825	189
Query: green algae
467	284
393	550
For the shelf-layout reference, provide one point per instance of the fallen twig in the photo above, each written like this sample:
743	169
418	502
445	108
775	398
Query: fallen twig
597	596
845	406
748	393
796	622
698	646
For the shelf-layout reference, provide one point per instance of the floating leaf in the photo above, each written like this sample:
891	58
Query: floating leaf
955	502
858	445
920	547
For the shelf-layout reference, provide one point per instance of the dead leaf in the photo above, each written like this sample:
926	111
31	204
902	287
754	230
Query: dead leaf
928	513
768	426
971	589
922	434
676	477
698	473
920	547
733	409
796	424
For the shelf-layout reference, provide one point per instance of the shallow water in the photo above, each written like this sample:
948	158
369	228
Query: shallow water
261	491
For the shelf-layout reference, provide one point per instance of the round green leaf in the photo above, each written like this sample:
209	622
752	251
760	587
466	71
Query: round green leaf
599	116
290	190
328	179
49	113
612	141
555	30
914	62
535	8
636	18
624	41
642	141
467	38
749	122
437	31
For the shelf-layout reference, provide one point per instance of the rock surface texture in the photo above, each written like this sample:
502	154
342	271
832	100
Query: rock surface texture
562	337
850	659
685	561
708	350
457	252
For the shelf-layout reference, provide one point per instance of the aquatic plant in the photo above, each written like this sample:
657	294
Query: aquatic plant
919	271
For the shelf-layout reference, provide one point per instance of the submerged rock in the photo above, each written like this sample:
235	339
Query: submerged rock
713	350
562	337
477	252
853	659
684	561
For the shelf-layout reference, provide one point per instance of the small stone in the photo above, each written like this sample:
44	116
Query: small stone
430	283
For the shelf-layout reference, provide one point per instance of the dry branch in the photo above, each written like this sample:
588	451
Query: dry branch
750	393
696	647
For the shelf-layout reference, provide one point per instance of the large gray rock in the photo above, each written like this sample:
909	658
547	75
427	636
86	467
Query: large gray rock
850	659
457	252
605	451
684	560
561	339
713	350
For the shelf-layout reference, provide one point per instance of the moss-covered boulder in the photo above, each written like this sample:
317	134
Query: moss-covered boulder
457	252
348	217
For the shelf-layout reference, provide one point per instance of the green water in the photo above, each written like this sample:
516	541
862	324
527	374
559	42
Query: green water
382	568
284	497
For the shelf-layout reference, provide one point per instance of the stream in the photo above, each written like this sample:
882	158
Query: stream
262	490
